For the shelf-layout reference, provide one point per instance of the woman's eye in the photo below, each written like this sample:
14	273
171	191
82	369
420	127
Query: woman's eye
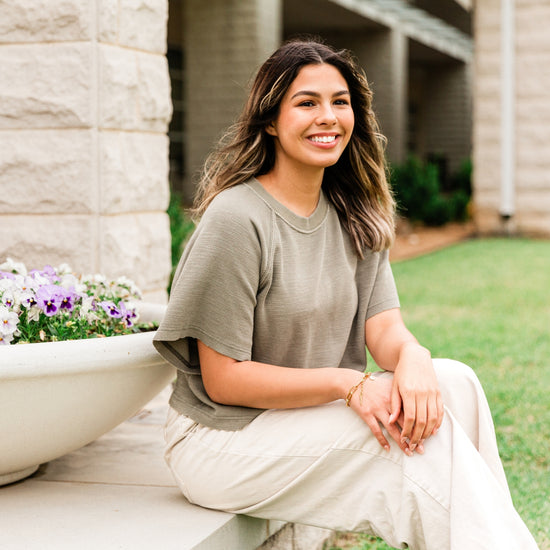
341	102
306	103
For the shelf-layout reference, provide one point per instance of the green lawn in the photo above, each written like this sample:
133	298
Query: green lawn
486	302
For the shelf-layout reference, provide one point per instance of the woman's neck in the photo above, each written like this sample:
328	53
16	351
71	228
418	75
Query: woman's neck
299	192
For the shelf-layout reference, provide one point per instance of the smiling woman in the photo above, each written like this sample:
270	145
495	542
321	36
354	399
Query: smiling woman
282	285
314	125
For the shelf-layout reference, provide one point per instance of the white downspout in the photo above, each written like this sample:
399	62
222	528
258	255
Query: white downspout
508	129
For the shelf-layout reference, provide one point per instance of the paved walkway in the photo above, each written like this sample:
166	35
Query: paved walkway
117	493
412	242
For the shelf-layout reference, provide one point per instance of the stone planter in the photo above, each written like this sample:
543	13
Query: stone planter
57	397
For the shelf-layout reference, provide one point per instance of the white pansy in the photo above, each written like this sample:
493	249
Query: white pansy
33	313
8	321
13	267
5	339
63	269
7	285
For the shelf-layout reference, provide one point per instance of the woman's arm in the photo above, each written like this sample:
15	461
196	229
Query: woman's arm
415	397
259	385
263	386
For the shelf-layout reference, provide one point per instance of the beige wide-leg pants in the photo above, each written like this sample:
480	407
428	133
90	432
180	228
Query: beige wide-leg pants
322	466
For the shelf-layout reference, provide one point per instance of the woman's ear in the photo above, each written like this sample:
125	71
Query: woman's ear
270	129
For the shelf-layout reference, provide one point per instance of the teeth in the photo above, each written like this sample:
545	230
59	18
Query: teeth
323	139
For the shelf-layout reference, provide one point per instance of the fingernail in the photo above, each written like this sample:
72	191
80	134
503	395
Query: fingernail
408	452
387	447
412	447
420	449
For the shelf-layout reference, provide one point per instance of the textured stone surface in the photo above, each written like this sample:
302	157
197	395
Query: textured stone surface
134	172
84	111
138	246
142	24
47	172
155	105
44	20
118	88
223	50
135	90
38	240
45	85
531	118
108	20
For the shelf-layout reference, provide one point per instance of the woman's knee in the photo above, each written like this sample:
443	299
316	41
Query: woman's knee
452	373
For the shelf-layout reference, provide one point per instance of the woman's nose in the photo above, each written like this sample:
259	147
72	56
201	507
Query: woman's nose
326	115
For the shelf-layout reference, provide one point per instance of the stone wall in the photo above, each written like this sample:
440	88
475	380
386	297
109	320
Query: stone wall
531	118
84	109
225	44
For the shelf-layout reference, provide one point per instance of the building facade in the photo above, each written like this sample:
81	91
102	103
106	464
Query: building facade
512	117
416	55
87	155
84	112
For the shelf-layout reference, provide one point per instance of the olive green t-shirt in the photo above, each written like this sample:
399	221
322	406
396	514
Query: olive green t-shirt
259	282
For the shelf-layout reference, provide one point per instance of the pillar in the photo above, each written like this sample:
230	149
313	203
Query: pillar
84	109
225	43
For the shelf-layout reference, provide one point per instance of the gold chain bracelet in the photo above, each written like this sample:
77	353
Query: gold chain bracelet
353	389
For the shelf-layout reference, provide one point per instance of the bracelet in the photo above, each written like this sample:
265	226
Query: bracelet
353	389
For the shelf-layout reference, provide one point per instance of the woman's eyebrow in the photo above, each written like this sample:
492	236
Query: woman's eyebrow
317	94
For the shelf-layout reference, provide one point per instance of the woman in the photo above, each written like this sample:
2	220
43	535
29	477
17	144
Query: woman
284	282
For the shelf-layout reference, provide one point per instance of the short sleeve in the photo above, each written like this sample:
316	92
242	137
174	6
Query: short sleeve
384	292
214	292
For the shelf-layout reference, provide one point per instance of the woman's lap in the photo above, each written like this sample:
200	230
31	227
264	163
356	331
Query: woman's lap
322	466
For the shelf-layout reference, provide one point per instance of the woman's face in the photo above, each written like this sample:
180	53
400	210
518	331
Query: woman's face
315	119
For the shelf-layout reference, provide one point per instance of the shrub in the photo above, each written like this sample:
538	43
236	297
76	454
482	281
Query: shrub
181	228
417	189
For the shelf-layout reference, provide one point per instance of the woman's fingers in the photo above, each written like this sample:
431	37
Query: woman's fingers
409	416
396	403
421	418
375	428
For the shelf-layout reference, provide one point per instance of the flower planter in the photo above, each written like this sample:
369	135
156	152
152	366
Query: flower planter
59	396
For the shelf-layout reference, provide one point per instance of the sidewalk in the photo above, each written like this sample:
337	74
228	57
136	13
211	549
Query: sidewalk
416	241
117	493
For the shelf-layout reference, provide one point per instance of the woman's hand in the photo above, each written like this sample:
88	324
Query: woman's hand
416	402
372	403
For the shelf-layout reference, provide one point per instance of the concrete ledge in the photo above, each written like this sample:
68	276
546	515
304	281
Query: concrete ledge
117	493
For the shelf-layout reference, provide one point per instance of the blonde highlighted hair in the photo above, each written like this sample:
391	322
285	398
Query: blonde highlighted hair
356	185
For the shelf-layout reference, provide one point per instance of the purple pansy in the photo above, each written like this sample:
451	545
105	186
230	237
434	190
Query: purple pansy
68	298
111	309
128	314
49	299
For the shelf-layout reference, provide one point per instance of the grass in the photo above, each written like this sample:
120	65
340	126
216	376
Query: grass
485	302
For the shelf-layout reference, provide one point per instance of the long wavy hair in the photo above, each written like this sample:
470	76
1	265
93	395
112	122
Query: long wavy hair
356	185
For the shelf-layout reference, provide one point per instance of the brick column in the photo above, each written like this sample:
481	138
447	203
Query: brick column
84	108
446	113
384	57
225	43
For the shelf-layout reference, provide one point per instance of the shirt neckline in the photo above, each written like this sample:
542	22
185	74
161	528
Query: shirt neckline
301	223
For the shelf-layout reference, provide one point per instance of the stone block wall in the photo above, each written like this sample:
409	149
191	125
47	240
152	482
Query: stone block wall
84	111
533	116
383	55
531	162
225	43
446	114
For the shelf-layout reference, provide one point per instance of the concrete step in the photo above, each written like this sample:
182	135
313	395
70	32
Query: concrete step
116	494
